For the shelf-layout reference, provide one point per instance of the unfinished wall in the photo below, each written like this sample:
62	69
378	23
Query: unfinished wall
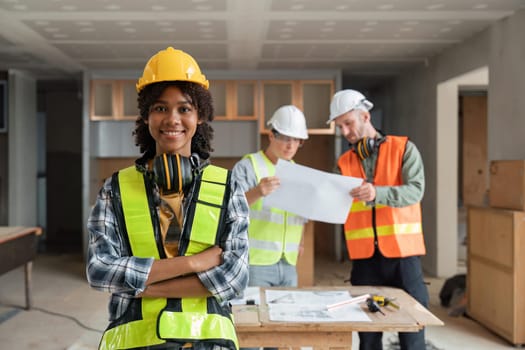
414	113
506	105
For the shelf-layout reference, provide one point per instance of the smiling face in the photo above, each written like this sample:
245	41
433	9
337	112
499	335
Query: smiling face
172	122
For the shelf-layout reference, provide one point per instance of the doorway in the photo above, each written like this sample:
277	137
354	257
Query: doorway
473	169
448	166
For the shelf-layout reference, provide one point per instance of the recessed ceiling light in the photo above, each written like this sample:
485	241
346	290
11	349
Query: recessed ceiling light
203	8
480	6
341	7
168	30
297	7
20	7
84	23
112	7
385	7
158	8
68	8
87	29
434	6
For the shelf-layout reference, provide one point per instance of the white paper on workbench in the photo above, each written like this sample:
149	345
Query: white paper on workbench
311	193
311	306
249	293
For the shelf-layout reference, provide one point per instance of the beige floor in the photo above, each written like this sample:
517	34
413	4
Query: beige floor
67	314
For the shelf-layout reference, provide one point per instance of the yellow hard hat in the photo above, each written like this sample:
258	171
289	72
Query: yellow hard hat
169	65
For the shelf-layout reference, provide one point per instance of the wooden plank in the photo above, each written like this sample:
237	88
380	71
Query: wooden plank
411	316
328	339
475	174
11	232
305	262
246	315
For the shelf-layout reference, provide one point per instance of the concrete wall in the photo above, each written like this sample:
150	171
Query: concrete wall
22	146
506	104
414	112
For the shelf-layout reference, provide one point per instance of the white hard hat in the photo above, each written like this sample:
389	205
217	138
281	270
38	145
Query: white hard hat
347	100
289	120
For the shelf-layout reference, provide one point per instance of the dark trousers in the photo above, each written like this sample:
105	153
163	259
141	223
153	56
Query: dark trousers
403	273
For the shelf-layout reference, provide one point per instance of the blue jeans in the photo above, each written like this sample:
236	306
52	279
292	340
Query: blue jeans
281	274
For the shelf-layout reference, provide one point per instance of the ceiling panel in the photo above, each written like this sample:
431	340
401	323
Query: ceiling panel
56	38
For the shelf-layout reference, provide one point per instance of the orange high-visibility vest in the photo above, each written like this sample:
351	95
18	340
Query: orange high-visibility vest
399	230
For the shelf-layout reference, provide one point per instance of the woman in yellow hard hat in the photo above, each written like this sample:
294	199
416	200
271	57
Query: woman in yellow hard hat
168	236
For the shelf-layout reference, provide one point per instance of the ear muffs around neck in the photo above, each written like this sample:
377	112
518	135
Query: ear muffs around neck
173	172
367	146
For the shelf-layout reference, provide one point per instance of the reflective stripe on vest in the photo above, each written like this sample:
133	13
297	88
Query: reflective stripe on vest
272	232
399	230
143	332
194	323
202	319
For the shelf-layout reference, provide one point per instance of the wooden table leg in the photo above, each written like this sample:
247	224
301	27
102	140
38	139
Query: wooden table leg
28	268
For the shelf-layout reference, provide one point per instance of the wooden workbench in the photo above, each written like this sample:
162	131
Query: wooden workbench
18	246
254	329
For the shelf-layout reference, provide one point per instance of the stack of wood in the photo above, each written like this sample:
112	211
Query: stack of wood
496	254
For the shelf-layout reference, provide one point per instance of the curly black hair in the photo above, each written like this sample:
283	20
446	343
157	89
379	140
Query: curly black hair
198	96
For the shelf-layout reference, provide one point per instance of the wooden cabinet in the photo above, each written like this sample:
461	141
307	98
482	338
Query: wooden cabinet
496	266
113	100
311	96
235	99
507	184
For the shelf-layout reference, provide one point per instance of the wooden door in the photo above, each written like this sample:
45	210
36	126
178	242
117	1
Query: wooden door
475	166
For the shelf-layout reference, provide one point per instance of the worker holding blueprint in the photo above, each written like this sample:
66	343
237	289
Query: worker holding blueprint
275	234
383	231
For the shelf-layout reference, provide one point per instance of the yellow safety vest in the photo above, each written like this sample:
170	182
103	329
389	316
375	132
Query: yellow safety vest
273	232
154	321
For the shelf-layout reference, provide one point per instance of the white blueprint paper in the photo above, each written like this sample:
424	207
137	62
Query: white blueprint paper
249	294
311	306
311	193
